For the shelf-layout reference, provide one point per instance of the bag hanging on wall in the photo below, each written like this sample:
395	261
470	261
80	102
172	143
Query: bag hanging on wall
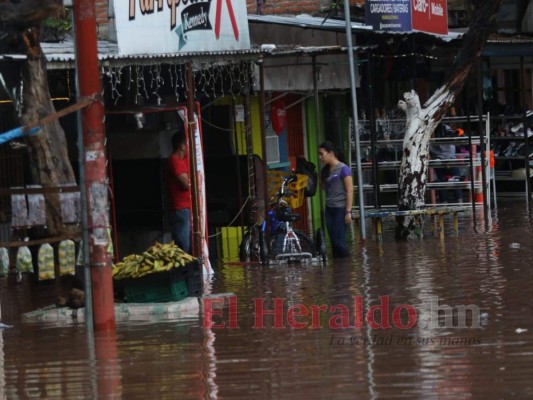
306	167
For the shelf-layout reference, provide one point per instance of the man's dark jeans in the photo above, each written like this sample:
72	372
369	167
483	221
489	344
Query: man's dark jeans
181	229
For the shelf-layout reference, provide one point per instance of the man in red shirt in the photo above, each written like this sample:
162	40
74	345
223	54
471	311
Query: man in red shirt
178	189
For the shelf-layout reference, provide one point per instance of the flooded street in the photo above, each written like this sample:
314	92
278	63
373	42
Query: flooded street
478	346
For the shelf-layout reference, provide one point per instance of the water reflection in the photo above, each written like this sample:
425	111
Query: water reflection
489	269
2	365
210	367
109	381
369	349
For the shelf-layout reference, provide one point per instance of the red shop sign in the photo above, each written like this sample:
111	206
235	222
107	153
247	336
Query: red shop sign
430	16
278	115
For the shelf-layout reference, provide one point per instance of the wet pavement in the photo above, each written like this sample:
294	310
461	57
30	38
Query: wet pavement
454	319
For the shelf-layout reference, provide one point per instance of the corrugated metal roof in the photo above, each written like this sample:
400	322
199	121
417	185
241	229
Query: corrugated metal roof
499	45
307	21
288	50
510	39
62	55
64	52
336	25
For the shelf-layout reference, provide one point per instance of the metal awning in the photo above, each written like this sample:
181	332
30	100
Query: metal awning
508	46
336	25
62	55
287	50
289	68
307	22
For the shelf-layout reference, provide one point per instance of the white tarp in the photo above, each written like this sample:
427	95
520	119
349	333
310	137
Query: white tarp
171	26
201	224
296	73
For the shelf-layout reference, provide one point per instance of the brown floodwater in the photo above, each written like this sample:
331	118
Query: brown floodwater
409	351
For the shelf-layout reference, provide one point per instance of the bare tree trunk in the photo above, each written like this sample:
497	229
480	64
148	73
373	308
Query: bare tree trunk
421	121
50	165
413	168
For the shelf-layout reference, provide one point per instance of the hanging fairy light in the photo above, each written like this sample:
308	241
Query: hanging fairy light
202	81
212	79
130	80
114	76
141	84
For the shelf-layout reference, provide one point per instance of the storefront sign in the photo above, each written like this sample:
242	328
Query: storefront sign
430	16
406	15
170	26
389	15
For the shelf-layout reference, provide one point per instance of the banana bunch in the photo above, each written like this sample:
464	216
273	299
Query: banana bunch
158	258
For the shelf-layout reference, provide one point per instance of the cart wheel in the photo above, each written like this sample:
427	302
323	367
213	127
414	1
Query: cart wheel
263	249
320	244
245	251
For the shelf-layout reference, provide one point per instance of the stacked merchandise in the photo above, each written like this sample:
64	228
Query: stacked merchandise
162	273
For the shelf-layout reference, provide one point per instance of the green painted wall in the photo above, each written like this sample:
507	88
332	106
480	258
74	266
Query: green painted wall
240	127
314	137
337	125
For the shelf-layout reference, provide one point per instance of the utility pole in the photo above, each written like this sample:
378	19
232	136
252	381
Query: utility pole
96	182
353	86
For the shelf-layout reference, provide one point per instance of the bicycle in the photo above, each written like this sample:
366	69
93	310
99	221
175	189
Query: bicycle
286	243
254	247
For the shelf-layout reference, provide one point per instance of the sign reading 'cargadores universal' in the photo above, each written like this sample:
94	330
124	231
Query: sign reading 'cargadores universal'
408	15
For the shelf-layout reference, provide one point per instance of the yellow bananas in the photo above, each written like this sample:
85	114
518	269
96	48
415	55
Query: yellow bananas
158	258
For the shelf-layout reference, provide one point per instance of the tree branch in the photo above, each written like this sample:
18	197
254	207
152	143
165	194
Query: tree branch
479	29
28	12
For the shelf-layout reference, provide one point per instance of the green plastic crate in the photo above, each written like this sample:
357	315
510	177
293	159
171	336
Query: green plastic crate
156	288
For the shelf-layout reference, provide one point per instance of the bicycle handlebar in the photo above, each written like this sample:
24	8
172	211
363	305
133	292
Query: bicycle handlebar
283	191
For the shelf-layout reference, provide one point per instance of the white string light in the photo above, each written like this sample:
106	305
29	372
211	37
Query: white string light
411	55
130	80
115	78
212	80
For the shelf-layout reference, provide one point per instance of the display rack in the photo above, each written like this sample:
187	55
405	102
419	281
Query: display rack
513	153
387	150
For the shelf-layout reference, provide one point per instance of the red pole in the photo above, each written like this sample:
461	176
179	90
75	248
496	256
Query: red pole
96	182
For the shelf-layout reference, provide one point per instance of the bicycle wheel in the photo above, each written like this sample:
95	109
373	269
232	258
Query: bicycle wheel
320	241
245	248
263	248
254	246
277	242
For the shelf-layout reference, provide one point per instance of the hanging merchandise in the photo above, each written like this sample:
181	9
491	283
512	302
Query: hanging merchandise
306	167
67	257
70	206
45	260
19	210
24	260
36	208
4	261
278	115
79	258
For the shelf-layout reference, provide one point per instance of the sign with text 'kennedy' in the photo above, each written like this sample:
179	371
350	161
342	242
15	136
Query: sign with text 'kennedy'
430	16
170	26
